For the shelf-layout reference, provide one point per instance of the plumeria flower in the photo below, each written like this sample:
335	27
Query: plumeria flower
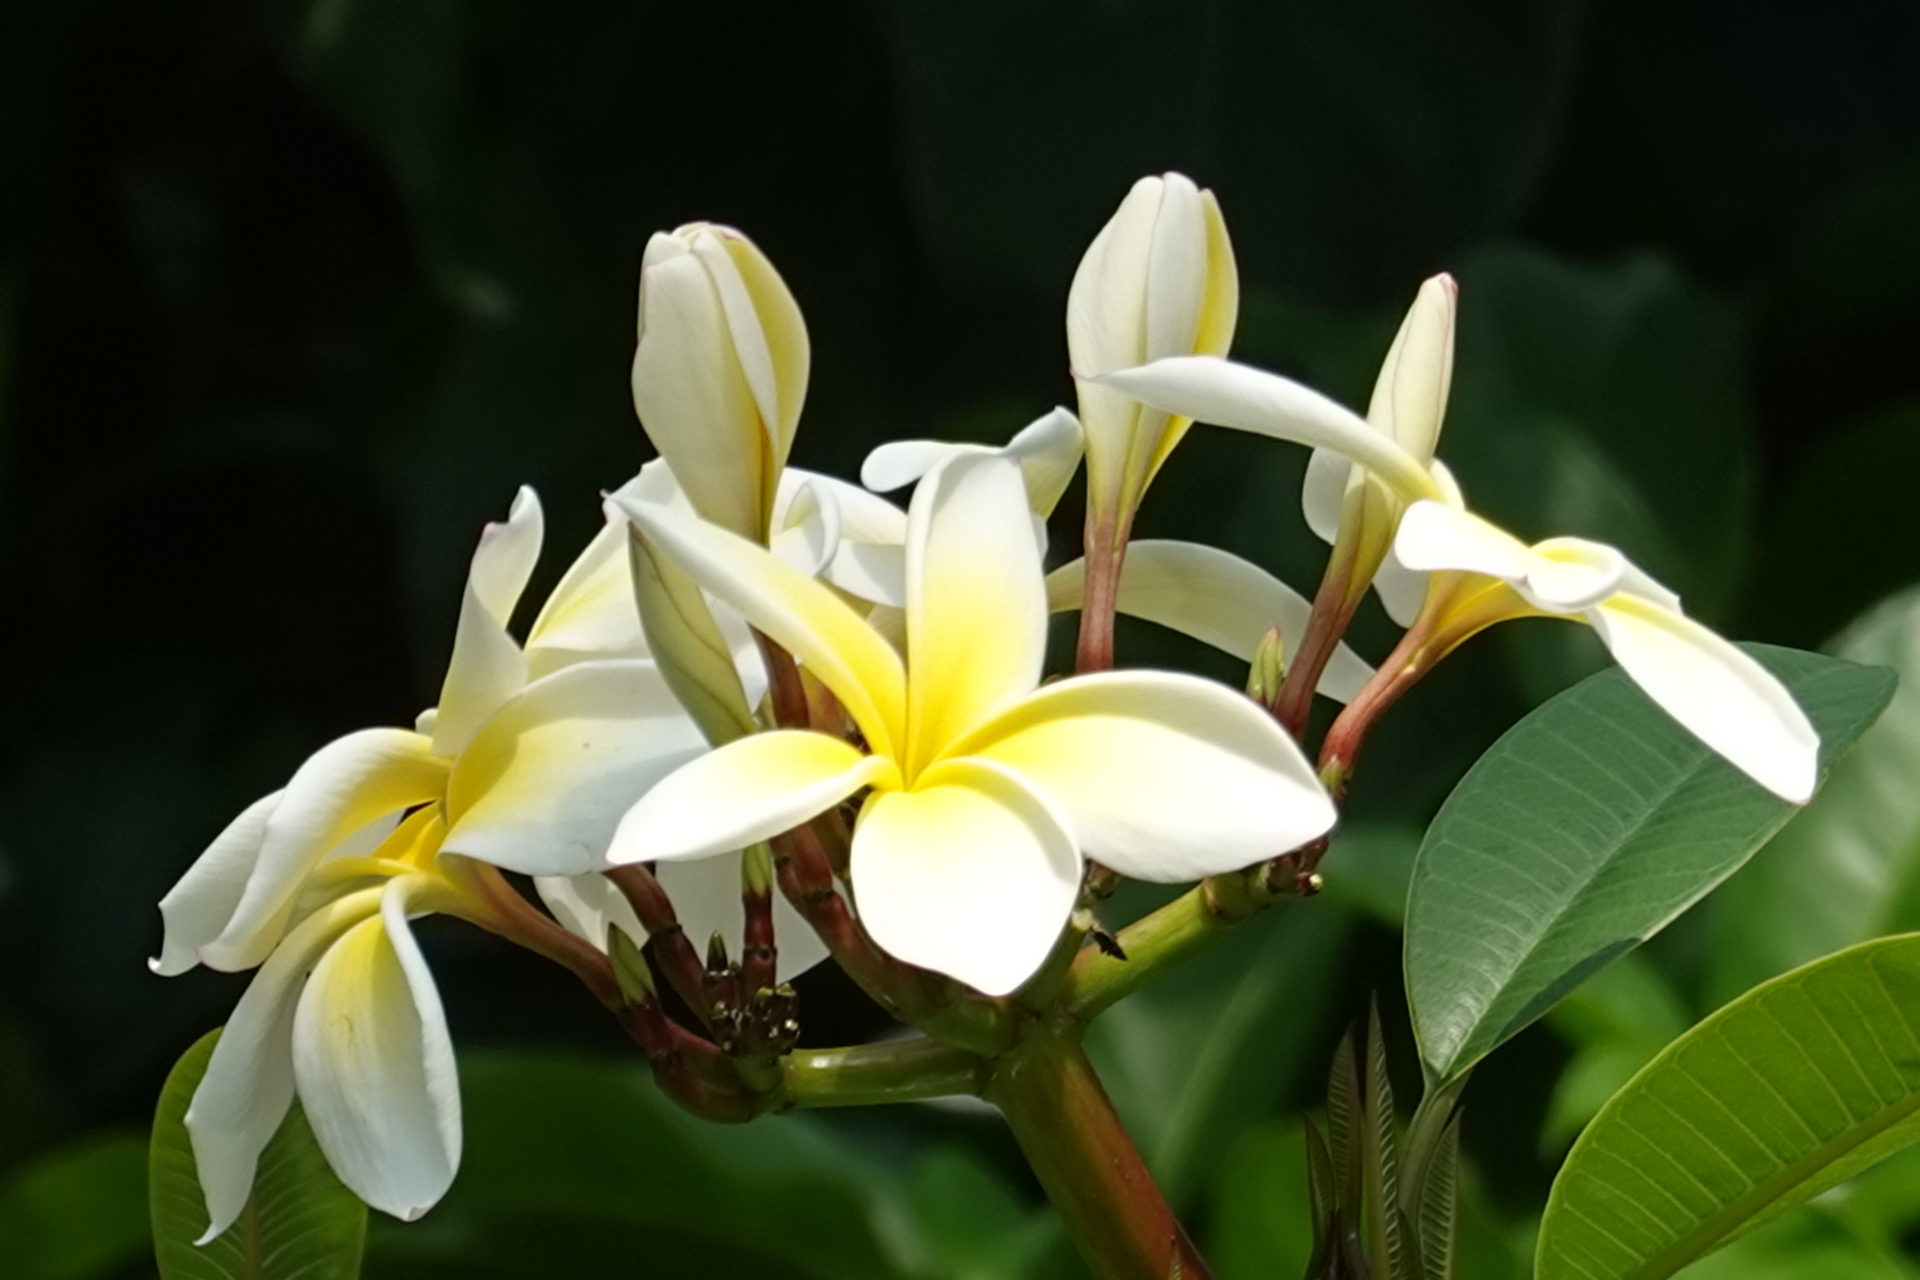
986	792
527	763
720	371
1483	574
1479	574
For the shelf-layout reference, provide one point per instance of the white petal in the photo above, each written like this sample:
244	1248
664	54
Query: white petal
976	603
1176	269
1410	397
1433	537
591	614
1215	597
543	785
1161	776
1571	574
864	517
199	906
750	790
1402	590
899	463
487	667
1716	691
692	397
784	331
374	1064
807	534
1048	450
1210	389
590	906
706	900
800	614
1324	492
249	1081
1107	302
970	874
341	788
872	572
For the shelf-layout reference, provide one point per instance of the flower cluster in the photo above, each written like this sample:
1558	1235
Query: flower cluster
756	674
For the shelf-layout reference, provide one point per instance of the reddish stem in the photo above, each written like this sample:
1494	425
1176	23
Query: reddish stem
668	946
1086	1162
1333	607
1106	553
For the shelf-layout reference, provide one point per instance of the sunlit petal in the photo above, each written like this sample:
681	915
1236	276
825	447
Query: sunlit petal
591	614
749	790
976	610
1213	596
802	615
1434	537
487	667
374	1064
250	1080
782	330
806	535
1410	396
1210	389
1570	574
542	787
970	874
1161	776
341	788
1719	693
199	906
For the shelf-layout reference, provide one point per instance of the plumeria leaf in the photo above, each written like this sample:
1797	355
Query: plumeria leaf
300	1222
1439	1206
1582	832
1784	1093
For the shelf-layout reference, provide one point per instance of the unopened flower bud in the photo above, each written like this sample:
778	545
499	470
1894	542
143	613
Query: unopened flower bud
1268	669
720	371
1159	280
629	967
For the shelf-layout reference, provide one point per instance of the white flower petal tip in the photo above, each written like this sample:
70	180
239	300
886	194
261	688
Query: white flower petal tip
971	874
1715	690
752	789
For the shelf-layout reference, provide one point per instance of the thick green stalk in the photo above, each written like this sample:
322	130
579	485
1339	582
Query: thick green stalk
1158	941
870	1074
1089	1167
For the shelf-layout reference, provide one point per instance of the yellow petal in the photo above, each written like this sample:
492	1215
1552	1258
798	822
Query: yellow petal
976	606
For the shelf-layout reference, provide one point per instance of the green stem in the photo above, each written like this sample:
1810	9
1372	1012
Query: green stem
869	1074
1157	942
1089	1167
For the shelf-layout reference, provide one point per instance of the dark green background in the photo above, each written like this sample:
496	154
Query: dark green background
292	295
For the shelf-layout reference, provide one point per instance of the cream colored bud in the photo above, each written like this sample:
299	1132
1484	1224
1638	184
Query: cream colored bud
720	370
1159	280
1268	669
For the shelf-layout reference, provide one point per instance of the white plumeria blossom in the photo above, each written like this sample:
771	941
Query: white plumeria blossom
986	791
1713	689
528	762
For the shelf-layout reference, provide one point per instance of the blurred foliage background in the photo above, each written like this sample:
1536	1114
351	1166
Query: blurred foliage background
293	293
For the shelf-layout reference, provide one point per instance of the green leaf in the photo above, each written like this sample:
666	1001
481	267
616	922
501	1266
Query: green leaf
1789	1090
1439	1206
1190	1059
78	1211
1380	1159
1583	831
300	1221
1256	1228
579	1167
1848	868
